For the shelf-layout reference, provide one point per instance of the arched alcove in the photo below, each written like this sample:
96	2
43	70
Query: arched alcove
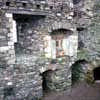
60	43
59	37
96	73
46	79
79	69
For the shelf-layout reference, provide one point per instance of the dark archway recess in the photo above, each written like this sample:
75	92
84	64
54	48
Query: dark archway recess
78	71
46	77
96	72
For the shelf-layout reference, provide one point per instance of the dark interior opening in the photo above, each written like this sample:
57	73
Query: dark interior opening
96	73
61	8
45	79
80	28
38	6
7	3
8	91
51	7
26	24
78	71
25	17
61	31
24	4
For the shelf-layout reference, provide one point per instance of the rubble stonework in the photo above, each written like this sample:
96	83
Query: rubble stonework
23	61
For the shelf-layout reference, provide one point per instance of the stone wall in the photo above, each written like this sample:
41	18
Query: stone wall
89	39
28	61
22	56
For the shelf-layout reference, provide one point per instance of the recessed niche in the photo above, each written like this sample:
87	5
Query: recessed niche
38	6
80	28
51	7
7	3
61	8
24	5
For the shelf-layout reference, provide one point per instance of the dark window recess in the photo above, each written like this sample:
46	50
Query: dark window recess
57	43
80	28
51	7
38	6
81	45
96	73
61	8
24	4
75	14
7	3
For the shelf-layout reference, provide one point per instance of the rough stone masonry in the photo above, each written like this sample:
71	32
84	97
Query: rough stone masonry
39	42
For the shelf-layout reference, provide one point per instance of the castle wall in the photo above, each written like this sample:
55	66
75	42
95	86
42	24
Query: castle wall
22	54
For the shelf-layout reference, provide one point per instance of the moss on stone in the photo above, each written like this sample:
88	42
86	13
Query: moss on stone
89	77
82	54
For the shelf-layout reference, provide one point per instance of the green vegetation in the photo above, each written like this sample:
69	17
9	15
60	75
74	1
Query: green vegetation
82	54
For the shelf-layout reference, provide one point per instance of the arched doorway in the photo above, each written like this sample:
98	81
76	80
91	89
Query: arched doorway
96	72
46	80
79	69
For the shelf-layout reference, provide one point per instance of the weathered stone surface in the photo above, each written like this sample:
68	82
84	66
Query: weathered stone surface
23	26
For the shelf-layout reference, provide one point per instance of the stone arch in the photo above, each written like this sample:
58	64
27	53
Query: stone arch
46	80
61	25
79	70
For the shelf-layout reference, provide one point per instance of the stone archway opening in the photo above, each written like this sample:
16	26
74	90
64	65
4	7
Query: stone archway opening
96	73
79	70
47	81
